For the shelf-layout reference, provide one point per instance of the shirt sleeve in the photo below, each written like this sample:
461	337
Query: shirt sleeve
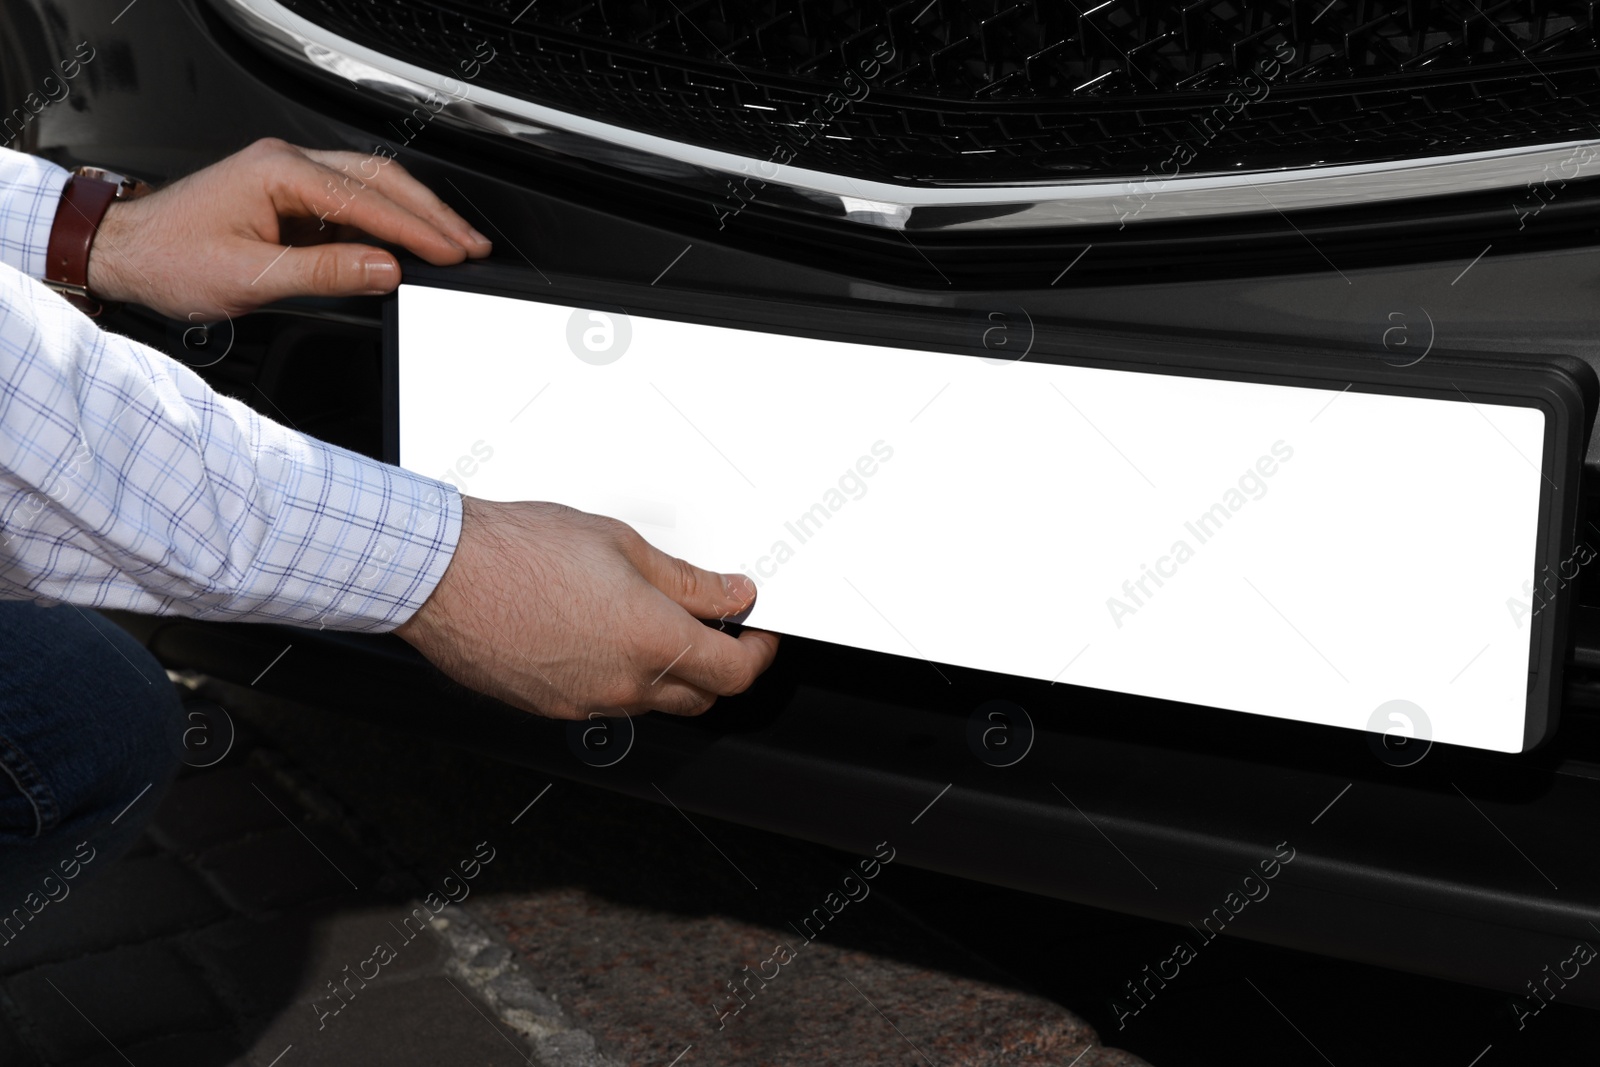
30	190
127	482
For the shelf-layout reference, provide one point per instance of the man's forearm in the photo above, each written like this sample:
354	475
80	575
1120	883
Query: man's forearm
125	481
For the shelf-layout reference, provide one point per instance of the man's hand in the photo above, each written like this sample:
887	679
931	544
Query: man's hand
213	244
564	613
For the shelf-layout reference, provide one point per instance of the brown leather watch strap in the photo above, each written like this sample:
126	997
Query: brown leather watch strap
83	204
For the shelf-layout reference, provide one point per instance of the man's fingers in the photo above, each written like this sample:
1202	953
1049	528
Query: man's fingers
323	270
313	191
702	593
677	697
708	658
396	183
718	662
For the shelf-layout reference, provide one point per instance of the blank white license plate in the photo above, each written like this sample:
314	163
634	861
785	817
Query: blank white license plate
1303	552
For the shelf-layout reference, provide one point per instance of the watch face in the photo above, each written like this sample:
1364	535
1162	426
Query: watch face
127	188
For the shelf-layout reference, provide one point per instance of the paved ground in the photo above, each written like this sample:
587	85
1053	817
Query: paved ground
291	905
245	929
279	914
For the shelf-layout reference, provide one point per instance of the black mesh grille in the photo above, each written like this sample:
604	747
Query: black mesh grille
1027	91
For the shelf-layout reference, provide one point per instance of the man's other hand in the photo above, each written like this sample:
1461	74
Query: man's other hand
269	222
564	613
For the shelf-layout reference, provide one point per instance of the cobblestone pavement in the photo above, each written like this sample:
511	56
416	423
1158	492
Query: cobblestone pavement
596	930
244	928
329	894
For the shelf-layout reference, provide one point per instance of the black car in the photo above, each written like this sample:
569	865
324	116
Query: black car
1384	188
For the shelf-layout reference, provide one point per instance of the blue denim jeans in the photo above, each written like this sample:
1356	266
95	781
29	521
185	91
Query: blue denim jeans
91	732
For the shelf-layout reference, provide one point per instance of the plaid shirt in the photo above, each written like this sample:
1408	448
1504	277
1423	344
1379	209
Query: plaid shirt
127	482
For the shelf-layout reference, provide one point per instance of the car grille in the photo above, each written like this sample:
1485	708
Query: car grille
1027	92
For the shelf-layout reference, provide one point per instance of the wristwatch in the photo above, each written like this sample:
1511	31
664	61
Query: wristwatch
84	201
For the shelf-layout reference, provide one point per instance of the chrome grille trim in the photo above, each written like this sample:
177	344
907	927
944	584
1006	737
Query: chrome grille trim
919	207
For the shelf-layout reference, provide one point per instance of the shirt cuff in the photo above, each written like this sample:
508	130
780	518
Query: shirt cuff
357	544
30	192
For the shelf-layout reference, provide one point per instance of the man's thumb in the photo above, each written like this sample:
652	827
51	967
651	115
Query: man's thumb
704	594
335	269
